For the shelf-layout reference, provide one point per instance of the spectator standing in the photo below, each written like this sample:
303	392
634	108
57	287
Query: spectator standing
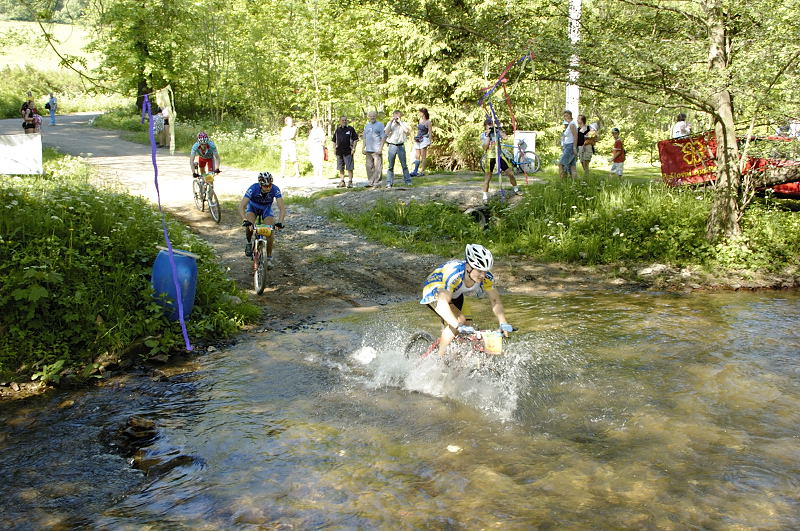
165	136
681	127
374	138
617	159
158	125
489	139
27	109
345	139
585	144
316	147
421	142
289	146
51	106
396	133
569	148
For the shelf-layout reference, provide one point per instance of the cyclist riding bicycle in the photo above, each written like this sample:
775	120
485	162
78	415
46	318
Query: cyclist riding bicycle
208	156
257	201
446	286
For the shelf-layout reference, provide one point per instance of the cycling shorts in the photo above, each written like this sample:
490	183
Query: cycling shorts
265	211
205	163
458	302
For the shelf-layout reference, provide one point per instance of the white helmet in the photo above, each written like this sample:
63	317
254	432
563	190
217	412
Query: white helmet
479	257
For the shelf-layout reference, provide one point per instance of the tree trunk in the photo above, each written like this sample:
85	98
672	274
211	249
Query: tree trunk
775	175
723	222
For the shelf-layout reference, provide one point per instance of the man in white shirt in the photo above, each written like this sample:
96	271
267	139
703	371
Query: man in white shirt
396	133
374	138
289	147
681	127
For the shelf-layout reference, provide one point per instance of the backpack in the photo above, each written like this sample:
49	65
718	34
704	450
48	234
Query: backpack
47	105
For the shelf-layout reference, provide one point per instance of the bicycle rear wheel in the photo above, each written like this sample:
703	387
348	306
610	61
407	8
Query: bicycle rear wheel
213	205
418	345
199	195
260	266
530	163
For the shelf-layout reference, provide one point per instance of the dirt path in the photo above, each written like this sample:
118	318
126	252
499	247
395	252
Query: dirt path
323	268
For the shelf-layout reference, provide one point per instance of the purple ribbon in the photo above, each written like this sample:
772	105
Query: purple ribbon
146	107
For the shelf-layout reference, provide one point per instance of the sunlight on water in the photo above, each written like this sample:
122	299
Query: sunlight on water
607	411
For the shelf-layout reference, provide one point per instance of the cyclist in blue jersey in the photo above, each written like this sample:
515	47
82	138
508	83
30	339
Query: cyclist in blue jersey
257	201
208	156
446	286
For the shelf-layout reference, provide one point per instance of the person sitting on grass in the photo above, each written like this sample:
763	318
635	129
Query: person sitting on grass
257	201
446	286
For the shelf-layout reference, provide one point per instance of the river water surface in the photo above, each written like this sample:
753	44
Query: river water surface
607	411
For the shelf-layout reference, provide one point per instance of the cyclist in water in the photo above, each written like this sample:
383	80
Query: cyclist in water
257	201
446	286
206	152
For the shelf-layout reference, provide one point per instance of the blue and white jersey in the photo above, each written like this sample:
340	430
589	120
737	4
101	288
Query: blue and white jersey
262	199
450	276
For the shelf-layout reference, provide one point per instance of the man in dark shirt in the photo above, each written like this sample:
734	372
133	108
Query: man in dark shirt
345	139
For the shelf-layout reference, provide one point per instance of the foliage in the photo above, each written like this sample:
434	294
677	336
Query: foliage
75	267
594	221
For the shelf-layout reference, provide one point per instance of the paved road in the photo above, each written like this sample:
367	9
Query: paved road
130	164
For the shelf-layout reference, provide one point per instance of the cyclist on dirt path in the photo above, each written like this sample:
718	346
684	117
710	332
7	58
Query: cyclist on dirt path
446	286
206	151
257	201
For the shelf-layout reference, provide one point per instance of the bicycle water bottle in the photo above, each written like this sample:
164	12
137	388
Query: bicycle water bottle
164	290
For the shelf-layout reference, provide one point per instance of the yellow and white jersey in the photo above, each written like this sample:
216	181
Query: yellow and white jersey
450	276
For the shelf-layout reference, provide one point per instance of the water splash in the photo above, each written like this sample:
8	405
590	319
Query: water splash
489	383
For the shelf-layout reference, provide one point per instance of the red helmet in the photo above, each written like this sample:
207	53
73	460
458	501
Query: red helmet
202	137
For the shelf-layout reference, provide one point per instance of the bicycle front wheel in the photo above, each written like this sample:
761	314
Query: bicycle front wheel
199	194
260	270
418	345
484	163
213	205
531	163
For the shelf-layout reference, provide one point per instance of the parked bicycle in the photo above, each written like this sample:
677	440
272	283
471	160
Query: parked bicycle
260	234
526	161
203	189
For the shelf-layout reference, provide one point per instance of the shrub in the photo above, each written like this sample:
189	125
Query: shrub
75	263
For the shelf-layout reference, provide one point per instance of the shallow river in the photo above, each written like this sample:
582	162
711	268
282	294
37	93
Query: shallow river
607	411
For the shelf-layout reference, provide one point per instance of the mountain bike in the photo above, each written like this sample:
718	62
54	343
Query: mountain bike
203	189
422	344
526	161
260	234
475	353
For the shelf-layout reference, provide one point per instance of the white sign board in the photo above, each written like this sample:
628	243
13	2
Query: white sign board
21	154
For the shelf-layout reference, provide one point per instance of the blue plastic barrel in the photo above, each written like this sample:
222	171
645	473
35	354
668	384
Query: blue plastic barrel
162	282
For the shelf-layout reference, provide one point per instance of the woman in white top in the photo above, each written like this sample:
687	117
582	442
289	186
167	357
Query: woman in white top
569	148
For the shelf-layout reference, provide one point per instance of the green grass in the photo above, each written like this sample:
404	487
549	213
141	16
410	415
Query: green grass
592	221
75	269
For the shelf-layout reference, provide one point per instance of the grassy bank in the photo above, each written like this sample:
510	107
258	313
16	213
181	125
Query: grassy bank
75	265
593	222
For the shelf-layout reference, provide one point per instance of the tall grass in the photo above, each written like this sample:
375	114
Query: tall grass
75	265
591	222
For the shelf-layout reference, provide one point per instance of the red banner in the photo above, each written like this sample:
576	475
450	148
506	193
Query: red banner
688	160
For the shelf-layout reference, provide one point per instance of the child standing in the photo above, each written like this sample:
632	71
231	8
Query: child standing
617	159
